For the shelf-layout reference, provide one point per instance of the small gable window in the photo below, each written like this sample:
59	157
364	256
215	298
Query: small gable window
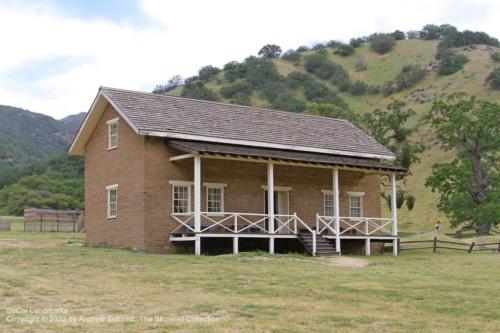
112	133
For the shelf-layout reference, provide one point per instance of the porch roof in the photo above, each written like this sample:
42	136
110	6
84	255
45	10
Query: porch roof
207	148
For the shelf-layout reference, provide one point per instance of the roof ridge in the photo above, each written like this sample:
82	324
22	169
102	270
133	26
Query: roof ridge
229	104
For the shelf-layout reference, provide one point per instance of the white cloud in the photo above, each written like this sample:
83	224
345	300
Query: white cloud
185	35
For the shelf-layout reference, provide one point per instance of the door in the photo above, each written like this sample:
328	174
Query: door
280	208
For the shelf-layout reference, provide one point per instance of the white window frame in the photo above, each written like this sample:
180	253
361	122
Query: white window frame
360	196
221	187
112	122
325	193
181	183
110	188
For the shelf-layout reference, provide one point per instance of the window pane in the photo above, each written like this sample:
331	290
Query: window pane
112	202
214	200
113	135
355	206
181	199
329	205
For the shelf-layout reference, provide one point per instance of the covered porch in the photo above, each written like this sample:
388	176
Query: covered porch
282	200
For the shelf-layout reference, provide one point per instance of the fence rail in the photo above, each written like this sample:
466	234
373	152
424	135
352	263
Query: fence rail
435	244
45	220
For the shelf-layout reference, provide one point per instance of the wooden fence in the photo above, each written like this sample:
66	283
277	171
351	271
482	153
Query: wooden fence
48	220
436	244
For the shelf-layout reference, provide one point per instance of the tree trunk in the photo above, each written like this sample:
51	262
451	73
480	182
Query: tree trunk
483	229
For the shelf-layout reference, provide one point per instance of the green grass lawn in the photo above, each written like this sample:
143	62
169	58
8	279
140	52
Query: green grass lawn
416	292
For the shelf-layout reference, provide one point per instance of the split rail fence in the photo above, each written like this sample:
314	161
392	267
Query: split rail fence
436	244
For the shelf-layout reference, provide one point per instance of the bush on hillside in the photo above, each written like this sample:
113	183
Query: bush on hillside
172	83
409	76
302	48
494	79
344	50
398	35
197	90
260	70
356	42
234	70
495	56
269	51
292	56
359	65
239	91
451	62
358	88
381	43
413	34
207	72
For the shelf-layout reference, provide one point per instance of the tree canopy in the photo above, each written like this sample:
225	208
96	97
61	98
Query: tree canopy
469	184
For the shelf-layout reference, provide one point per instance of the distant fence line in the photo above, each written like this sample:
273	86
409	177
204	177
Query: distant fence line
436	244
49	220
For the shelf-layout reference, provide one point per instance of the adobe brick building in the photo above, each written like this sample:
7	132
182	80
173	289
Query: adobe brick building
168	174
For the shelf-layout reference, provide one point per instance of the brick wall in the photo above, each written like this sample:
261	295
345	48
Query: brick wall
123	166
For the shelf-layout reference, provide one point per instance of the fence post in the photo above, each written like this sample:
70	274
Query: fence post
434	245
471	247
399	245
57	220
41	218
499	246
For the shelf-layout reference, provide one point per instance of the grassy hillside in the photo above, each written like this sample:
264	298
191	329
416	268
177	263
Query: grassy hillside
380	69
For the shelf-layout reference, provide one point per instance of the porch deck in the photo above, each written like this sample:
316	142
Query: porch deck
252	225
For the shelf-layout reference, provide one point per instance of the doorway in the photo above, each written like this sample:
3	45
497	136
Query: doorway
281	207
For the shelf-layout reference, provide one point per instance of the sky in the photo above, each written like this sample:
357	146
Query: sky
56	53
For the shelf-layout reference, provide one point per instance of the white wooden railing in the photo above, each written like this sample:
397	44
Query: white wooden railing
364	226
239	222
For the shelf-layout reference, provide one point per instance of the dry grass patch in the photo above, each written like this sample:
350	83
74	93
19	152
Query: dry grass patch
248	292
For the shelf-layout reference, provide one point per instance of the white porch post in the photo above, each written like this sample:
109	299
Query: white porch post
336	206
197	193
270	204
367	247
394	211
197	245
235	245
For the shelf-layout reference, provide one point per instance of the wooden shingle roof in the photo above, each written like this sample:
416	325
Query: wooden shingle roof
183	118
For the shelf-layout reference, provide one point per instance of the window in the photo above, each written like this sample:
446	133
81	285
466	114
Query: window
329	203
181	198
356	204
112	133
112	207
215	198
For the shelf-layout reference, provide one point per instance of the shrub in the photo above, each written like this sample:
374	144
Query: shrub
242	88
495	56
409	76
234	70
334	43
259	71
451	62
398	35
358	88
413	34
344	50
196	89
269	51
494	79
207	72
381	43
172	83
318	46
319	65
359	65
356	42
302	48
292	56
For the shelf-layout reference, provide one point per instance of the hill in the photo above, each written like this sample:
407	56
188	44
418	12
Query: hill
35	170
361	82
